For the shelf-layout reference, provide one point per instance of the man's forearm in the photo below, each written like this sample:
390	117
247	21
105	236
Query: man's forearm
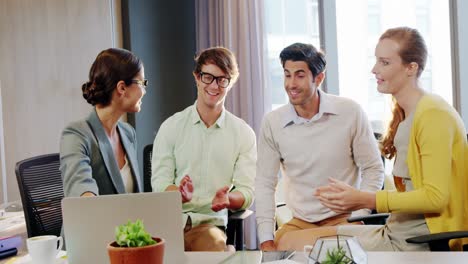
88	194
171	188
236	200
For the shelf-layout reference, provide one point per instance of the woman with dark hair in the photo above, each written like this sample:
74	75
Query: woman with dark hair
428	140
98	155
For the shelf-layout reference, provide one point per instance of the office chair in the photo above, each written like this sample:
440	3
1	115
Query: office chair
235	226
41	189
147	156
436	241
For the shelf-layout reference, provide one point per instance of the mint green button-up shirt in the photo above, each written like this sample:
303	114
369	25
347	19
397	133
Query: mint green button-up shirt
224	154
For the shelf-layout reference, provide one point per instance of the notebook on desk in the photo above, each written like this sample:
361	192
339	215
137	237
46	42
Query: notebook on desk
89	223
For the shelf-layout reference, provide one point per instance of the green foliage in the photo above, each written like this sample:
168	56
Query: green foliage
337	256
133	235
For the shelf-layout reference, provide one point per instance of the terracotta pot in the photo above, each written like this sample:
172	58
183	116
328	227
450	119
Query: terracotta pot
153	254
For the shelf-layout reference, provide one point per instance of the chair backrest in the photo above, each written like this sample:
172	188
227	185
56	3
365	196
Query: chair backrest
147	156
41	189
378	136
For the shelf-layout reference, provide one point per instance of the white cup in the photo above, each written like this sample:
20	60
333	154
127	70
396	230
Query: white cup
43	249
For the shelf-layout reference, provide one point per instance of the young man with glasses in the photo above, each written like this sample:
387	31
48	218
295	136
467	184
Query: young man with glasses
312	139
207	154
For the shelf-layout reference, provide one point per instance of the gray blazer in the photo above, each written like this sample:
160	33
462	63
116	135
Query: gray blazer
87	161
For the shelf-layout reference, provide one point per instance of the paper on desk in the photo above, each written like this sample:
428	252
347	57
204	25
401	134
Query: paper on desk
61	259
11	219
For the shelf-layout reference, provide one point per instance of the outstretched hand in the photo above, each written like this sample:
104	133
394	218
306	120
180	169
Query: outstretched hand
186	189
221	199
341	197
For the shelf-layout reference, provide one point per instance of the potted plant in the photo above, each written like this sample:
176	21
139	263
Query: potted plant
336	250
134	245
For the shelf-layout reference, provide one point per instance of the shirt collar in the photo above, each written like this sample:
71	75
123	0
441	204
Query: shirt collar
195	116
326	106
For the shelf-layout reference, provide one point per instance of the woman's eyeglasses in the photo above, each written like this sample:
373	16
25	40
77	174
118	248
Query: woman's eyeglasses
143	83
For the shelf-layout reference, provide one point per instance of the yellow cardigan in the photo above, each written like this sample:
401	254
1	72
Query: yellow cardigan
438	165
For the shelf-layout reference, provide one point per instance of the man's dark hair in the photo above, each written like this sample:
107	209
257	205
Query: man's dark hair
307	53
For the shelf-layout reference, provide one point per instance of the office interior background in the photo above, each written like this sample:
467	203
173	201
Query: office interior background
47	47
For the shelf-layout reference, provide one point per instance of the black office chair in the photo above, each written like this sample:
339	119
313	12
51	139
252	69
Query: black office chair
41	190
147	156
378	137
437	241
235	226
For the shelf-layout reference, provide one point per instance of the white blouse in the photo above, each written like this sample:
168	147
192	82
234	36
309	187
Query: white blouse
127	177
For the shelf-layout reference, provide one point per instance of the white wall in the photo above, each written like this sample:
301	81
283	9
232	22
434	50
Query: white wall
462	11
3	186
46	50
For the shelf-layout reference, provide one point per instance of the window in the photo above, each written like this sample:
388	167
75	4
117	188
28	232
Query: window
359	25
287	22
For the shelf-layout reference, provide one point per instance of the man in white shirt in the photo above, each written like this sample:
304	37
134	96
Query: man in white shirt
205	150
315	137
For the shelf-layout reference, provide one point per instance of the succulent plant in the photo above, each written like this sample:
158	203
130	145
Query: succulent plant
337	256
133	234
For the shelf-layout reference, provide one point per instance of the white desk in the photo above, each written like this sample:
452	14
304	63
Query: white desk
207	257
373	257
192	257
417	257
12	223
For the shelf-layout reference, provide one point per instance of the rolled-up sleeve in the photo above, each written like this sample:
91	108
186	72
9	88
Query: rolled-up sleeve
244	168
163	160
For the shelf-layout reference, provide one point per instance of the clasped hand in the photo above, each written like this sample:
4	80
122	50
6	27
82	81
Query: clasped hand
339	196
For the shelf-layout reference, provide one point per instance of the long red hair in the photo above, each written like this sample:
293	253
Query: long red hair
412	49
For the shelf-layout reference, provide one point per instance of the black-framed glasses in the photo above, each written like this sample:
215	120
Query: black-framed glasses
143	83
208	78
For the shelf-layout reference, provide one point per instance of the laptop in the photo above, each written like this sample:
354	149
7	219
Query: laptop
89	223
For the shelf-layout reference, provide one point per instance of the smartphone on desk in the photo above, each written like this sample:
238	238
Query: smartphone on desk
269	256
